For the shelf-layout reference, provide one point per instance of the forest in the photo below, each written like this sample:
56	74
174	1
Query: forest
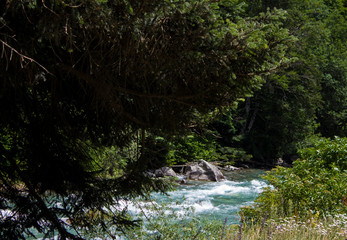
95	93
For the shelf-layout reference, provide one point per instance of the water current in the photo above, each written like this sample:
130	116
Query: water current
214	200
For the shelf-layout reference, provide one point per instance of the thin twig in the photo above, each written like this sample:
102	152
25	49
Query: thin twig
22	56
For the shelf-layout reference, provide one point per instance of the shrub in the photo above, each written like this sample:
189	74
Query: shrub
315	184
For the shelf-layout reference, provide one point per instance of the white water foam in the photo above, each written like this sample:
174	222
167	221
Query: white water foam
221	188
214	198
258	185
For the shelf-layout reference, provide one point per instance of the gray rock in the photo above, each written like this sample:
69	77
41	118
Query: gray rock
165	172
204	171
281	162
149	174
230	168
244	166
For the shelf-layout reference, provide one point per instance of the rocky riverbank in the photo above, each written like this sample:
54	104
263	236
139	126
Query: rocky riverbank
209	171
201	171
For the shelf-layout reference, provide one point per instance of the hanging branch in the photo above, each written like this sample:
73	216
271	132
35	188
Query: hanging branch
47	213
21	56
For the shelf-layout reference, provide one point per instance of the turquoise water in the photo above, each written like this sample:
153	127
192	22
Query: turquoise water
214	200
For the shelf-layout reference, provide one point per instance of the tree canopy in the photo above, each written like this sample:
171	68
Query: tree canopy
306	98
78	75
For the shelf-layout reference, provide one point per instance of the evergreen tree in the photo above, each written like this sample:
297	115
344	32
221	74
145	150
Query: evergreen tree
80	75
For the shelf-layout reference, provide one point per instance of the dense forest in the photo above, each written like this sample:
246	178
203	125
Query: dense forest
307	98
94	93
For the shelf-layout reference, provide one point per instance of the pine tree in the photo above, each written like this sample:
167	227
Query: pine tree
82	75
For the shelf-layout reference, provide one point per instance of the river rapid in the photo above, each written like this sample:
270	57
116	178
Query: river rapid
211	200
214	200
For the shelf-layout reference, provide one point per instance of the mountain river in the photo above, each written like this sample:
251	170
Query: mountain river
214	200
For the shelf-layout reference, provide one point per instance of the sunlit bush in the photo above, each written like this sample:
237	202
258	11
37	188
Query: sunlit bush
315	184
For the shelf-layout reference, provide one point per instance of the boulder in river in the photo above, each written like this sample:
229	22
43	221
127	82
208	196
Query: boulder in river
165	172
204	171
230	168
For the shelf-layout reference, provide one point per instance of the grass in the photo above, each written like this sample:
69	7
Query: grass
314	228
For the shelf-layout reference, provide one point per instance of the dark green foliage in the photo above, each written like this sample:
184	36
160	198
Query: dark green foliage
80	76
155	152
208	145
324	53
309	96
283	114
191	148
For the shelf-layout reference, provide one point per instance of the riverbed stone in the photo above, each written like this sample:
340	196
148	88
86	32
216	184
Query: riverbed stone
204	171
165	172
230	168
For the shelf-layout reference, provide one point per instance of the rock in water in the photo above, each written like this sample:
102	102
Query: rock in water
230	168
204	171
164	172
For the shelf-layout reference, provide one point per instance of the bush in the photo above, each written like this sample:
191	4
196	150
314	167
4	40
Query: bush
315	184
